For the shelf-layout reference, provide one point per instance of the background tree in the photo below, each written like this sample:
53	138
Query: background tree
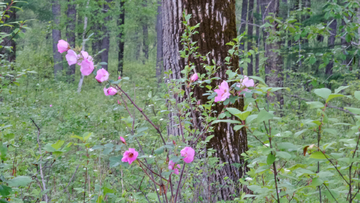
56	36
70	32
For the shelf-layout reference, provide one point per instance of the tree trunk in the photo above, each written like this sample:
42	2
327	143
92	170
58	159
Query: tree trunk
250	69
159	48
331	44
70	32
145	46
105	44
56	35
217	27
257	29
273	67
9	41
121	37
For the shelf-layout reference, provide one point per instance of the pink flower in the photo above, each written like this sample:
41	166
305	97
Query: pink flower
63	46
82	56
194	77
130	156
119	77
175	167
188	153
122	140
246	82
71	57
109	91
50	105
102	75
223	92
87	67
119	102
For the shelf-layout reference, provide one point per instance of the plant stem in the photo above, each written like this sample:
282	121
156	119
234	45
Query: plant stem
178	188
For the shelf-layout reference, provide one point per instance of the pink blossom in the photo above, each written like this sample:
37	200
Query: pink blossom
63	46
119	77
194	77
130	156
223	92
246	82
175	167
110	91
71	57
82	56
102	75
50	105
122	140
87	67
119	102
188	153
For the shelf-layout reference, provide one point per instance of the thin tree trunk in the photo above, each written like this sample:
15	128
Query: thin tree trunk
257	29
217	27
56	36
70	33
159	48
145	45
121	37
331	43
250	69
106	36
9	41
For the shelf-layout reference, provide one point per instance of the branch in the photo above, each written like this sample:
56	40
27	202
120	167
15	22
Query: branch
72	177
40	165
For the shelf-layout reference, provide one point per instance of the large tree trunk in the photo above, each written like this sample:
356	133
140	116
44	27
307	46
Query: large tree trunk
145	29
274	63
121	37
159	48
250	69
106	36
70	32
56	36
217	27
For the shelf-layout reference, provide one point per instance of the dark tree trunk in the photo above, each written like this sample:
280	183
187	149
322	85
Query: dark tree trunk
70	32
9	41
145	45
257	64
243	23
331	44
274	63
159	47
56	36
217	27
250	69
121	37
105	44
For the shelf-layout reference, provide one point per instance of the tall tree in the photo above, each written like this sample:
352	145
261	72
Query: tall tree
105	44
70	31
56	36
217	27
331	44
145	29
250	69
121	22
9	40
257	33
159	47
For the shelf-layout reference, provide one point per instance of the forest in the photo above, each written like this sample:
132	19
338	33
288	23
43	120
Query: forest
180	101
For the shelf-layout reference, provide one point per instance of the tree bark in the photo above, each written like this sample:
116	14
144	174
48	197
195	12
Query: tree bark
70	32
145	29
217	27
56	36
9	41
331	44
257	29
274	62
121	37
250	69
105	44
159	48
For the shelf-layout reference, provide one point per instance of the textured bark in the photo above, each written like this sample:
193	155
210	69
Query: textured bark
273	66
56	36
331	44
70	32
250	69
244	9
105	44
9	41
121	22
257	31
217	27
159	47
145	45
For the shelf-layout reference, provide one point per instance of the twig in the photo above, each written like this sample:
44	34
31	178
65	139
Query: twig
40	165
72	177
178	188
330	192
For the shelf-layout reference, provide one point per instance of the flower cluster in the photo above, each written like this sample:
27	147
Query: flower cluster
85	61
223	92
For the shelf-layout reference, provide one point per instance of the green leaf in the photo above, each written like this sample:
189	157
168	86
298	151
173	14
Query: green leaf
283	155
264	116
58	144
340	89
226	121
287	146
20	181
258	79
312	60
348	38
357	95
315	104
87	136
316	182
353	110
5	190
270	159
317	155
241	115
323	92
238	127
332	96
49	148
